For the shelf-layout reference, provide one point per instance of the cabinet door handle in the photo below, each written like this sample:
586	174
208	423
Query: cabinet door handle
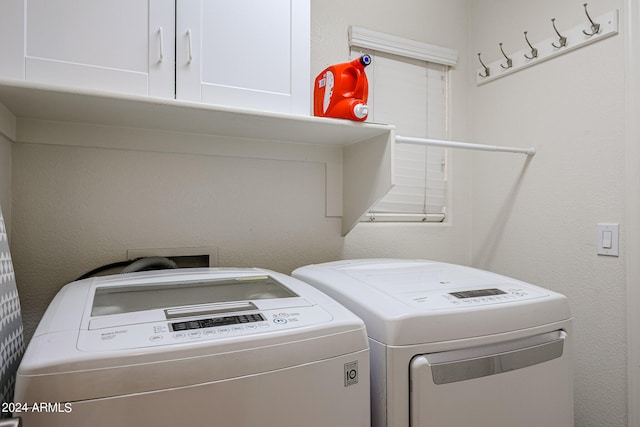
190	52
161	45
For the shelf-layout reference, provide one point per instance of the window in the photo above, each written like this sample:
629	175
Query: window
410	92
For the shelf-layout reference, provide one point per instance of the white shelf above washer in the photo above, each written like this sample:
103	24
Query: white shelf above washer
366	147
39	101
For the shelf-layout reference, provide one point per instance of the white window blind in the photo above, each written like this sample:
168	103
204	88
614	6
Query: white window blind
412	95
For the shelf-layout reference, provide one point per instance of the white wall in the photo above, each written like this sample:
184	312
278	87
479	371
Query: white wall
632	230
5	180
76	208
537	220
7	133
435	22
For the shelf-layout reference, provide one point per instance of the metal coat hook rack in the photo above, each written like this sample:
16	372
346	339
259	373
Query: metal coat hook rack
595	28
562	42
509	60
487	70
534	51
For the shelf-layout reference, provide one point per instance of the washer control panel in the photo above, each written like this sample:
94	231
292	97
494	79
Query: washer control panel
212	322
202	328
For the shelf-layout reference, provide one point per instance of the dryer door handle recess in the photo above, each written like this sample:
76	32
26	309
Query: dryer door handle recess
476	362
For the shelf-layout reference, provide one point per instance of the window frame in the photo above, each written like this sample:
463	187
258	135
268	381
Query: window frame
402	203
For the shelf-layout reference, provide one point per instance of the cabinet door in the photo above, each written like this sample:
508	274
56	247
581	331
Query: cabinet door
244	53
117	45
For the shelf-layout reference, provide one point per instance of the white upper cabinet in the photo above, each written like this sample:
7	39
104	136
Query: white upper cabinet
244	53
241	53
115	45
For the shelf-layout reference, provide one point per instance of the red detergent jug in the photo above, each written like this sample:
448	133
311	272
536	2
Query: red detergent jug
341	91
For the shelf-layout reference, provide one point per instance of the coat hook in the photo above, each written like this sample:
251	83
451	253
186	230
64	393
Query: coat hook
509	61
562	39
595	28
487	70
534	51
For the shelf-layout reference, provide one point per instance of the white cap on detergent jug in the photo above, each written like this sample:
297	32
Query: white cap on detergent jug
360	111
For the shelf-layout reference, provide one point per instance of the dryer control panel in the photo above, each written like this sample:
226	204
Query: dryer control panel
474	297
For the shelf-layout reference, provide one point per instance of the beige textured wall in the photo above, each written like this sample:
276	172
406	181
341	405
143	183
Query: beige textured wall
79	208
76	208
7	134
5	180
537	221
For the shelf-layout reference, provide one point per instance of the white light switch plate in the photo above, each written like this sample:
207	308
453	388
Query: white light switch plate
608	236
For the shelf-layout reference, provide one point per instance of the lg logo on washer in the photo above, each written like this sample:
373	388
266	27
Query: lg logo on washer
351	373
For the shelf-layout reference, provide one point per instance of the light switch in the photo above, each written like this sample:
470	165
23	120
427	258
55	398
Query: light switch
606	239
608	236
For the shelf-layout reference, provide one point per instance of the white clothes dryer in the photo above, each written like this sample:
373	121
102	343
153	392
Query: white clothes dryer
195	347
453	346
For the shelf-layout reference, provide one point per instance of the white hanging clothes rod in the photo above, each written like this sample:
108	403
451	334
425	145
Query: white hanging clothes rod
464	145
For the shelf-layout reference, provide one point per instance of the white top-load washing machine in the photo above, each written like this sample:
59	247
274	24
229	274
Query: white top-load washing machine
453	346
195	347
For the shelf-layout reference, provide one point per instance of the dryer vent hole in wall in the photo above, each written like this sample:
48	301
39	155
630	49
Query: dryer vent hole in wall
190	261
150	263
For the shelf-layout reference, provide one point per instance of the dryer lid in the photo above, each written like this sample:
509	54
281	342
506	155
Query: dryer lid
406	302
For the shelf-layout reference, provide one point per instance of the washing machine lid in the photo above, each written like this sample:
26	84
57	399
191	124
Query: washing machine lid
131	333
406	302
